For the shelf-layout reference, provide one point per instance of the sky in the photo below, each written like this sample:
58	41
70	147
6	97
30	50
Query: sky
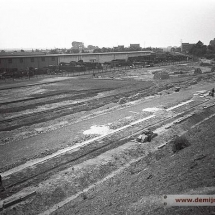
26	24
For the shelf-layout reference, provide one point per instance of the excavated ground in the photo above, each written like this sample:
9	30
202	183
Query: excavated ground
133	177
126	178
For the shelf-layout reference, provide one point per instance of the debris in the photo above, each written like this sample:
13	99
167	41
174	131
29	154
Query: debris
142	138
1	185
146	136
122	101
177	89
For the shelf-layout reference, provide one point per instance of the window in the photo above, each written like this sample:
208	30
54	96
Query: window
10	60
43	59
53	58
32	59
21	60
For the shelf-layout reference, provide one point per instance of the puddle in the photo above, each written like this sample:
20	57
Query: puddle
153	109
95	129
128	117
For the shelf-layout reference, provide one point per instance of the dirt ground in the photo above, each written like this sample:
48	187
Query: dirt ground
139	188
125	177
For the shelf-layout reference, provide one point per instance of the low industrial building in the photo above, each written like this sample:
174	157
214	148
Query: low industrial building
40	61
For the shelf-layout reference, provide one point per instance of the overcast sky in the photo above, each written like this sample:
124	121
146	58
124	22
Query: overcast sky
105	23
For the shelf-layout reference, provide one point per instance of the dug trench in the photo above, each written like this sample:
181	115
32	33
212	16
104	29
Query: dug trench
118	180
33	118
46	98
147	88
43	116
121	134
92	102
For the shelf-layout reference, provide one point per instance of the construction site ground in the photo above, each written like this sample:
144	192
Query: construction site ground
68	144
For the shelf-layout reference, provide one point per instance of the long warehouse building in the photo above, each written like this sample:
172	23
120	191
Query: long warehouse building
40	61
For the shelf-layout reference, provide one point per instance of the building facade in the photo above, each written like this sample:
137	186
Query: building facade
185	47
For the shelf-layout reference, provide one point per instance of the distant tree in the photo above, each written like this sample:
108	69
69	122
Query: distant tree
53	51
3	51
136	48
211	49
91	47
212	42
78	45
74	50
199	49
103	49
22	50
97	50
149	49
172	49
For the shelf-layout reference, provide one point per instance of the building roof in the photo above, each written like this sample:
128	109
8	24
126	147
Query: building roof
21	53
78	54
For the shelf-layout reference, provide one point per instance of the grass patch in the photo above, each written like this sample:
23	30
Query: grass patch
179	143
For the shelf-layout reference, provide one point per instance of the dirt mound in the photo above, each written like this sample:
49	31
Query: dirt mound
161	75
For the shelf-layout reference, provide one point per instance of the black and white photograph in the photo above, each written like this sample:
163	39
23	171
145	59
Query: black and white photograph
107	107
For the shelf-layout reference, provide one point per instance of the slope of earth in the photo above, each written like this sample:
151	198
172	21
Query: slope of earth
139	188
132	178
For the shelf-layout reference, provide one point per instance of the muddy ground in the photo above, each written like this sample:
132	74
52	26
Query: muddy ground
129	179
46	107
139	188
